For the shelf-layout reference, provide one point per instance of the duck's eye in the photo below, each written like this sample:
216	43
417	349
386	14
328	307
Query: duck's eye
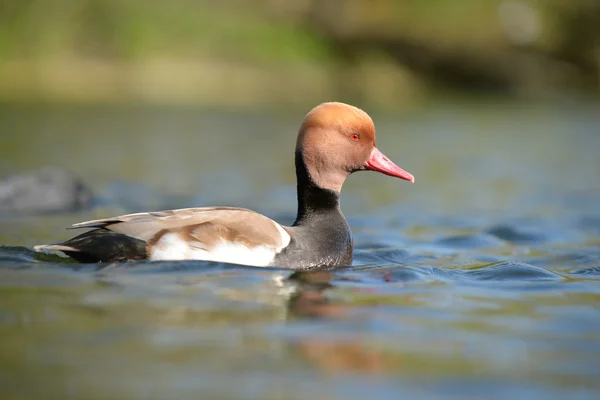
355	137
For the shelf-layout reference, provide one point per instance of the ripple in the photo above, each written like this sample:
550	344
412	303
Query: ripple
382	256
508	271
15	254
379	275
587	272
512	271
478	240
515	235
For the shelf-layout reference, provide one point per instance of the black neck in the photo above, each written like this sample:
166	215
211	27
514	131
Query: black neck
312	199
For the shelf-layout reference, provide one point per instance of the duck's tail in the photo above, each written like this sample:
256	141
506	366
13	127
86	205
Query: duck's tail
99	245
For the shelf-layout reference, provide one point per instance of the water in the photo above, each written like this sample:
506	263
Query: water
482	280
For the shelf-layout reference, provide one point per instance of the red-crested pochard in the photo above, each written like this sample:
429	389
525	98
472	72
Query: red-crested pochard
334	140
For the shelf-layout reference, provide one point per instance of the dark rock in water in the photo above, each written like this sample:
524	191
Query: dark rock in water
47	190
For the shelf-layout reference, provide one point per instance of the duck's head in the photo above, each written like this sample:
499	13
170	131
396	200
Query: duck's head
337	139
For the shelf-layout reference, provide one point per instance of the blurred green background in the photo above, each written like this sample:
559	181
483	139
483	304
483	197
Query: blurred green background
235	53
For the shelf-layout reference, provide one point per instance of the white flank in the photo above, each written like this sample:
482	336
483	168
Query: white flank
172	247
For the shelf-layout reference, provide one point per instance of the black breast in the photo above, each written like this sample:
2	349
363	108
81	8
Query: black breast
323	241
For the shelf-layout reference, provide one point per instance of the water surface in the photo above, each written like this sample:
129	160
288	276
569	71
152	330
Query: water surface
482	280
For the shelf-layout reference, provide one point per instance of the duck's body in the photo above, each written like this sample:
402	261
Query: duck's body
335	140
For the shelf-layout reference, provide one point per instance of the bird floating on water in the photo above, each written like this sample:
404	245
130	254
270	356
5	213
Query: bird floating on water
335	140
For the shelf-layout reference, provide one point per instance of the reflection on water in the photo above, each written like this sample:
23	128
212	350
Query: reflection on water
480	281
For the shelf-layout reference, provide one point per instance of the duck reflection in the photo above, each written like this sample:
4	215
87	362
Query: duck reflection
309	298
329	353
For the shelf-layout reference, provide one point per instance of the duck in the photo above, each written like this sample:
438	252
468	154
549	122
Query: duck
334	141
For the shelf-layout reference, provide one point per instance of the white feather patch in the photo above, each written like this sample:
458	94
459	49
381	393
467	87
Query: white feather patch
172	247
285	237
